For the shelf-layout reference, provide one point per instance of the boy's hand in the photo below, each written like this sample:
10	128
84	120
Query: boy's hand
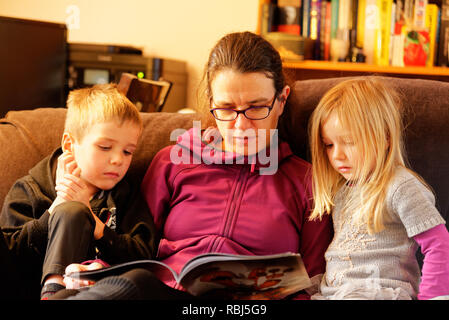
69	185
72	283
72	188
66	164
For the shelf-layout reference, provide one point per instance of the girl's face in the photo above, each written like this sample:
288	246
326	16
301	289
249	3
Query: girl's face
239	91
342	151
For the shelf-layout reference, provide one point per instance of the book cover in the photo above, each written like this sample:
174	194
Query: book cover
371	24
416	47
443	41
315	16
344	14
326	34
432	24
392	27
305	18
267	21
382	47
334	18
360	23
289	16
225	276
419	14
408	12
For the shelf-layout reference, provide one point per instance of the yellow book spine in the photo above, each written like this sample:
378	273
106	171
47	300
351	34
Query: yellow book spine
431	24
382	47
361	23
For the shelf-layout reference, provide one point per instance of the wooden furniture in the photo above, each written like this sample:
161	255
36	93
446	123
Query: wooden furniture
147	95
311	69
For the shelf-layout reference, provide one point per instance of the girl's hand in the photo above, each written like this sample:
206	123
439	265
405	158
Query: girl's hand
72	283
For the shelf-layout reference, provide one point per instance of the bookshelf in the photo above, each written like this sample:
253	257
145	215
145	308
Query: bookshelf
318	69
315	69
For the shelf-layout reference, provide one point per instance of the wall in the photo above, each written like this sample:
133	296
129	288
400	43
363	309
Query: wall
177	29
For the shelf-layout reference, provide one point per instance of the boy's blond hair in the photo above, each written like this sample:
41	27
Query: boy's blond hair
371	111
98	104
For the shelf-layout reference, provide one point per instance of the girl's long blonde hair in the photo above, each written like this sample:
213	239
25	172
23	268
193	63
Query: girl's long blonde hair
370	111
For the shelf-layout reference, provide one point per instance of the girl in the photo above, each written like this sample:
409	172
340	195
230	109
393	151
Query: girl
381	210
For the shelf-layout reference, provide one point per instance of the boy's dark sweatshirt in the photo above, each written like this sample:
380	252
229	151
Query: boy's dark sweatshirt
24	220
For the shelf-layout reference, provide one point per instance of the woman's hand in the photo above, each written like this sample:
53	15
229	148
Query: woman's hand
72	283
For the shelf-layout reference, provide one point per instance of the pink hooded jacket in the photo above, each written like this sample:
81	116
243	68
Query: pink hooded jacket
199	206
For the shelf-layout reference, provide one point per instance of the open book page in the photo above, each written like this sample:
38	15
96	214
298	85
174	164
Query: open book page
245	277
225	276
158	268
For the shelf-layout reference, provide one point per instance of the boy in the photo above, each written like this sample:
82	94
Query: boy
76	197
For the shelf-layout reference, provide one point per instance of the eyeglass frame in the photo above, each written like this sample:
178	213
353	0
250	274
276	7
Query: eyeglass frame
238	112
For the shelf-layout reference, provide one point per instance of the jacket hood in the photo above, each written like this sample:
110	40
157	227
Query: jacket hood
44	172
205	146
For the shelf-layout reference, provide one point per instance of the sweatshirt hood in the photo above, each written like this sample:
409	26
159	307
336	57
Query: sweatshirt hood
44	173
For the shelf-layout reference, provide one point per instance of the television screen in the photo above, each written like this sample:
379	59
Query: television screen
33	58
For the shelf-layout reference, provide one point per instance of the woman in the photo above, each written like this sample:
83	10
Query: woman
236	188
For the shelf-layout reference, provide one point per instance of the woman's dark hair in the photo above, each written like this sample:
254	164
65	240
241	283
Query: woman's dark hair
244	52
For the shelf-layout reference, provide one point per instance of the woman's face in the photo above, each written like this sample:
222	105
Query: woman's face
239	91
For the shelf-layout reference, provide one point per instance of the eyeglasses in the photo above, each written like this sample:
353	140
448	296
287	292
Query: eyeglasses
252	113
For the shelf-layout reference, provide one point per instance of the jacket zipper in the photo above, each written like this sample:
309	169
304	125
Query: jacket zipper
242	178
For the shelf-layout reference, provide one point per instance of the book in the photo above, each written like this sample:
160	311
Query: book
419	14
360	23
416	47
371	25
443	41
267	21
289	16
392	29
334	18
326	31
224	276
314	26
305	18
432	11
408	12
382	47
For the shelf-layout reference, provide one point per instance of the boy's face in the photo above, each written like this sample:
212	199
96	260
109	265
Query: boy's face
105	153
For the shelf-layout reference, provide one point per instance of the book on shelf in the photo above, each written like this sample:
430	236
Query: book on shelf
383	34
289	16
334	18
431	23
267	18
325	39
371	24
225	276
443	38
416	47
306	18
419	14
360	25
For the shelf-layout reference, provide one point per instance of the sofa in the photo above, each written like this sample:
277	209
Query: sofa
28	136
